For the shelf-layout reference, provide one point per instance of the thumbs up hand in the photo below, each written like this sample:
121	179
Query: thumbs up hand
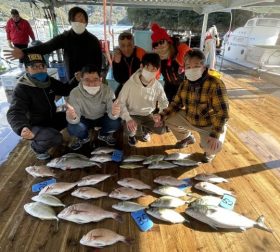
116	108
70	112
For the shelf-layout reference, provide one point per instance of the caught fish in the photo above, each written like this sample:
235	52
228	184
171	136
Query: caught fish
40	171
211	188
134	158
103	150
161	165
85	213
218	217
206	201
170	191
176	156
153	158
168	202
130	166
57	188
102	237
48	199
128	206
88	193
166	214
124	193
208	177
71	161
186	162
40	211
133	183
93	179
101	158
168	180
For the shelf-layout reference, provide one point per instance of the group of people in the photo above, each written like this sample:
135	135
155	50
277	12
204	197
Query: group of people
192	98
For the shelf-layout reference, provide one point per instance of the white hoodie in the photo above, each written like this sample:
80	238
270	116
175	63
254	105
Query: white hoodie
136	99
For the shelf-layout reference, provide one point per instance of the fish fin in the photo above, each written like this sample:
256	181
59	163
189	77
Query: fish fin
260	224
213	227
128	240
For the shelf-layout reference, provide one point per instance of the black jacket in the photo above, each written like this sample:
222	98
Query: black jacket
34	106
79	50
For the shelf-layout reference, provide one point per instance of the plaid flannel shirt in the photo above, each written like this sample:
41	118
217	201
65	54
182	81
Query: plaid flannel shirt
206	104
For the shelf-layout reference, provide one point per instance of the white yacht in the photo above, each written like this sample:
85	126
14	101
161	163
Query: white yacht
255	45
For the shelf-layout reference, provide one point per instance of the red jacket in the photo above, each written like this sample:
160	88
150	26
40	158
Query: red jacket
20	32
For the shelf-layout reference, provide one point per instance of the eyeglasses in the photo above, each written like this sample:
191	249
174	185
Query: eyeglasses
160	42
38	66
123	36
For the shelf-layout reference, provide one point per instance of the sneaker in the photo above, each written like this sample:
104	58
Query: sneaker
109	139
146	137
132	141
79	143
41	156
207	158
185	142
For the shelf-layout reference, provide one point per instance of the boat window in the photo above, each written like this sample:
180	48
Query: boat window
268	22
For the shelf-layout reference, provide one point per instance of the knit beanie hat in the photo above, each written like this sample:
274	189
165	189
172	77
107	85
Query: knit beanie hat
159	34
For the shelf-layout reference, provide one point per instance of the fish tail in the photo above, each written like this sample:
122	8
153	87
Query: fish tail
260	224
128	240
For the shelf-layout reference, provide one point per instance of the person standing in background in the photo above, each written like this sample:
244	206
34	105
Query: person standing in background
210	43
18	31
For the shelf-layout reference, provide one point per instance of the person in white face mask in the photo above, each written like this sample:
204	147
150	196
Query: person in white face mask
204	100
91	105
139	97
80	47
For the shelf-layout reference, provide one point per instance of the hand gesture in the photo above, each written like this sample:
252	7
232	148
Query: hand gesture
213	145
16	53
117	55
70	112
157	120
116	108
26	133
131	126
78	76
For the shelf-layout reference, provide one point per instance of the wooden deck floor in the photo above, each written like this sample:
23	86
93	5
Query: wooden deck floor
250	160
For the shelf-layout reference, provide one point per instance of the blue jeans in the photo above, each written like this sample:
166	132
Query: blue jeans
81	129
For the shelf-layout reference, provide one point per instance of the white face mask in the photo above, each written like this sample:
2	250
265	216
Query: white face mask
92	90
78	27
148	76
193	74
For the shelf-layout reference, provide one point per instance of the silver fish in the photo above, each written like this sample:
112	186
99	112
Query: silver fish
85	213
124	193
166	214
168	180
168	202
71	162
93	179
103	150
169	191
130	166
57	188
211	188
48	199
176	156
133	183
134	158
186	162
88	193
76	155
152	158
161	165
218	217
101	158
208	177
207	201
40	211
128	206
40	171
102	237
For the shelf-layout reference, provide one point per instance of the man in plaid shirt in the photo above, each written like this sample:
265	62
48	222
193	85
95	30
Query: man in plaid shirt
201	104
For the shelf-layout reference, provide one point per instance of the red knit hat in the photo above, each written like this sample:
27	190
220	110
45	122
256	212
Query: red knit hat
159	34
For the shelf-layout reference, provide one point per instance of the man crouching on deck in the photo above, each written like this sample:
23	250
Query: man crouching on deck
201	104
32	113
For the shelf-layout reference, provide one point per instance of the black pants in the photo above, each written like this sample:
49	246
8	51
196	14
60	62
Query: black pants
20	46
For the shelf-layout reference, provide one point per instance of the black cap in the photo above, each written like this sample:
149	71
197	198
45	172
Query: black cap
32	58
73	12
14	12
